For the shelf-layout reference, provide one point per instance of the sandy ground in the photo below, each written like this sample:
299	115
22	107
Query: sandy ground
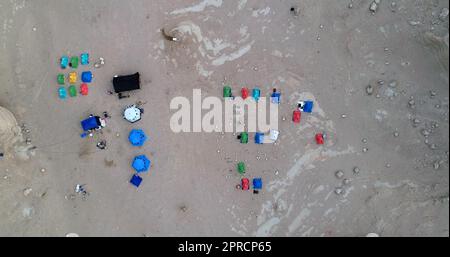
329	53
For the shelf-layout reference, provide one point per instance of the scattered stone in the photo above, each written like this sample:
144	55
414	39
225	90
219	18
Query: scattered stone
425	132
99	63
396	134
27	212
432	93
393	6
183	208
346	181
339	191
433	146
436	165
414	23
380	82
365	150
27	191
411	103
369	89
295	11
393	83
444	14
374	6
70	197
350	6
356	170
339	174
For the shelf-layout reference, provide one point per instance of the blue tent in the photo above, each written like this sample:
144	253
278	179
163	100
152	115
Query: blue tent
276	97
256	94
257	183
259	138
141	163
86	76
137	137
308	106
90	123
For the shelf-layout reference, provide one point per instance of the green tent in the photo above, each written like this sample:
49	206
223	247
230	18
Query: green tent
72	91
226	91
241	168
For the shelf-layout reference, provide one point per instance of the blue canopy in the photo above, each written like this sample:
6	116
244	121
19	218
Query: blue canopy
137	137
141	163
90	123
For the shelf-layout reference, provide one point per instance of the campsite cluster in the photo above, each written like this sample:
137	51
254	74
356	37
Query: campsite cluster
72	77
95	123
262	138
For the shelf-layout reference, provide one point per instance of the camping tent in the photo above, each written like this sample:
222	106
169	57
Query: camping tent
90	123
141	163
137	137
126	83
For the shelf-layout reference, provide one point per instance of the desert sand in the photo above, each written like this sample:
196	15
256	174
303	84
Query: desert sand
389	139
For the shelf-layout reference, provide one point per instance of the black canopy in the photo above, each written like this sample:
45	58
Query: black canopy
126	83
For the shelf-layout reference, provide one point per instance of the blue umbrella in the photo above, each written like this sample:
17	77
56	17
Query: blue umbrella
137	137
141	163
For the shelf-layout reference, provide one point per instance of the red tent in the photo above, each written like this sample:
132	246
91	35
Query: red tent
84	89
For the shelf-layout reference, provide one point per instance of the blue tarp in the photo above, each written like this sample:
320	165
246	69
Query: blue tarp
257	183
135	180
141	163
137	137
90	123
259	138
